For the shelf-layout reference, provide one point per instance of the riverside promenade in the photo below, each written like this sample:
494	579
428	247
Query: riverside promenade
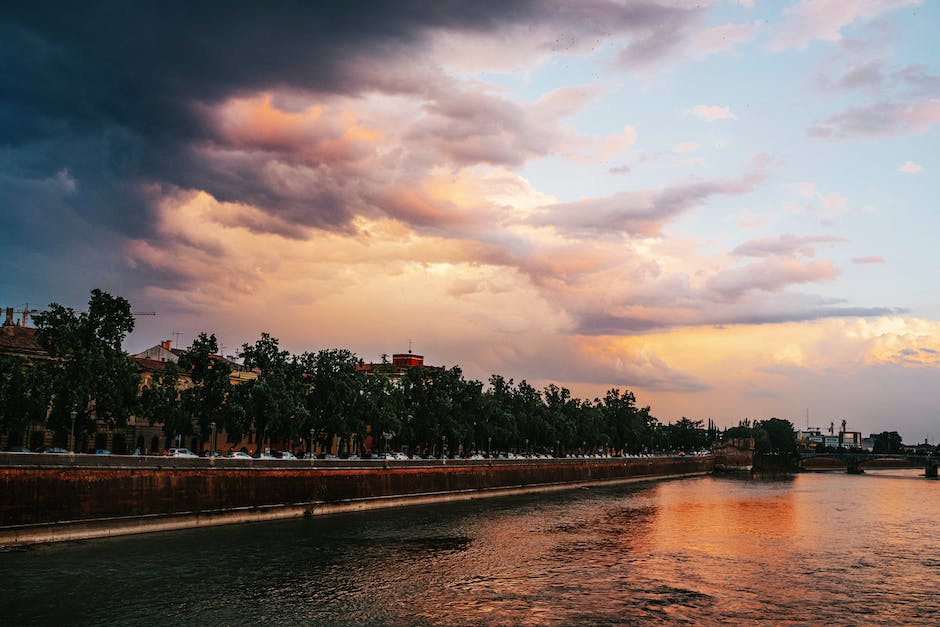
51	498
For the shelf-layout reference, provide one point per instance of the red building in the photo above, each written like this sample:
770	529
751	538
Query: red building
400	364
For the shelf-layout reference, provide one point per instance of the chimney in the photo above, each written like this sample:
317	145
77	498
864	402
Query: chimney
9	319
166	344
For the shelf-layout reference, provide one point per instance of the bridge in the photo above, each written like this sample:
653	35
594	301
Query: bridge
854	460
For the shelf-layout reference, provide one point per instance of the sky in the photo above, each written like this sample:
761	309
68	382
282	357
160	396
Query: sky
726	207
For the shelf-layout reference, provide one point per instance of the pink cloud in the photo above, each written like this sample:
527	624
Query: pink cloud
909	167
642	212
786	244
872	259
711	113
770	275
824	19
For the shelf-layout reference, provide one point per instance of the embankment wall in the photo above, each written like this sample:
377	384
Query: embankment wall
69	497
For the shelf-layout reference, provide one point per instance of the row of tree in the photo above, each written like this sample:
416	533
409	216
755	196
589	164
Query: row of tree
320	394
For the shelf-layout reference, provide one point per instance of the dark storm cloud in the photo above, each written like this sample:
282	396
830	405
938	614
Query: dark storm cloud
110	90
118	94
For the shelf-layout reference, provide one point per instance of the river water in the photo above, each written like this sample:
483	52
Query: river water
815	548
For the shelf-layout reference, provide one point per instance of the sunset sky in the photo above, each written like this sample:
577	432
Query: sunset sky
727	207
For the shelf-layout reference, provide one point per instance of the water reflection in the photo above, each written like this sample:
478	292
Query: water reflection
817	548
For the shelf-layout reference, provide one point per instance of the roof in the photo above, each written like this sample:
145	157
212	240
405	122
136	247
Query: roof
149	364
17	340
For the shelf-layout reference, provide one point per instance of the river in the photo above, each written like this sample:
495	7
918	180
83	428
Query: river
817	547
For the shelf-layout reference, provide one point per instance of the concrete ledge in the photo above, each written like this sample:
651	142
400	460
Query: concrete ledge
106	527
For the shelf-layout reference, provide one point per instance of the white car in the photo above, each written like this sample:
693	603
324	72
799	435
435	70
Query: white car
288	455
182	452
239	455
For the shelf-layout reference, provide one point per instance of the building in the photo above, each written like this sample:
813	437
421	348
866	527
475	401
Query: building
844	439
19	340
400	364
149	361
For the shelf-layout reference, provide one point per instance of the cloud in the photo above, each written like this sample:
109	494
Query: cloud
711	113
770	275
641	213
866	260
686	147
909	167
812	20
786	244
883	119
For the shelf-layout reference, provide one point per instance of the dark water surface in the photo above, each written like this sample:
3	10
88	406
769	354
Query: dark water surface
817	548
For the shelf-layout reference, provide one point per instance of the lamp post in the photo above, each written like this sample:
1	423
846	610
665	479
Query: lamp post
489	447
212	438
443	448
557	448
310	447
72	414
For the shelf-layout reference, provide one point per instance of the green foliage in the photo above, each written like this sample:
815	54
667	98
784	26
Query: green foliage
324	392
780	436
773	435
160	401
25	392
275	401
206	400
887	442
90	374
333	400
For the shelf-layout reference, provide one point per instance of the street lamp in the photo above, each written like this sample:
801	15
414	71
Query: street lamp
443	447
310	447
212	439
489	446
72	433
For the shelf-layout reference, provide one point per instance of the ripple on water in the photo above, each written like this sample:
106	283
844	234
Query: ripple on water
815	549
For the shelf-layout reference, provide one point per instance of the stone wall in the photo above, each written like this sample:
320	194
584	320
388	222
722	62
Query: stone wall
52	493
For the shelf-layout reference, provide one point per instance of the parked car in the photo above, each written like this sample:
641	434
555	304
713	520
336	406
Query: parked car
50	449
239	455
182	452
16	449
264	455
101	451
288	455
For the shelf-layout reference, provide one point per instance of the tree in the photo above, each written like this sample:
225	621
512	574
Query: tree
206	400
274	402
887	442
686	434
774	435
160	401
90	373
333	396
25	393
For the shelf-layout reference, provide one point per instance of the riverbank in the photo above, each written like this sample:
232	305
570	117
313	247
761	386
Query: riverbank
58	498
